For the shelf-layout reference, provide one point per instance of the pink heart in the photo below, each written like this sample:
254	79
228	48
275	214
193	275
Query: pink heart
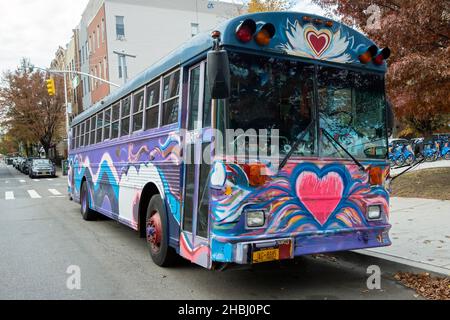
319	42
320	196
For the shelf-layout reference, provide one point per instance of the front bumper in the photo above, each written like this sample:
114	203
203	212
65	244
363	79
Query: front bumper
242	252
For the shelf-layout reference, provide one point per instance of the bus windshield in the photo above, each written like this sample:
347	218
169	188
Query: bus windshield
273	93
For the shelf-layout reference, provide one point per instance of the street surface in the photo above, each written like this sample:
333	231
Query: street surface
42	234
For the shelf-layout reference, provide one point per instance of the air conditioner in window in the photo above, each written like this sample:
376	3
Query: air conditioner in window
121	37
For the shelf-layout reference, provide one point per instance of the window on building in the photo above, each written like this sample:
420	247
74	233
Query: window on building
138	111
101	70
152	106
107	130
195	29
120	27
171	98
103	30
125	122
92	130
115	121
99	127
105	71
98	36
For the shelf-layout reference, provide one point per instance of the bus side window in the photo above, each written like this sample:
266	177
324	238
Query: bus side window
99	127
171	98
87	131
107	128
92	130
152	106
138	108
125	123
115	121
82	135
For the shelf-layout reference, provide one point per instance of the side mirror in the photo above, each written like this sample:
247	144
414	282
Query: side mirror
390	118
219	74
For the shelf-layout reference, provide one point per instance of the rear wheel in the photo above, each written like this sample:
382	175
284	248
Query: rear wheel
157	234
86	212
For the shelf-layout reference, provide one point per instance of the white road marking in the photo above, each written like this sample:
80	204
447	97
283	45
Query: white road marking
36	180
55	192
6	182
49	179
9	195
33	194
22	181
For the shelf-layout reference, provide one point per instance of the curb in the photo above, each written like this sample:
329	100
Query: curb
436	270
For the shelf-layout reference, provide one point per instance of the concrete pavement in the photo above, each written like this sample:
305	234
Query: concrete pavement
420	234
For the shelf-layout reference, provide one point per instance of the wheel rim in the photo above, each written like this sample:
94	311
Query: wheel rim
154	232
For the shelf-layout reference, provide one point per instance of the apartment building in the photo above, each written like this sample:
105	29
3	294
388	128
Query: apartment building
120	38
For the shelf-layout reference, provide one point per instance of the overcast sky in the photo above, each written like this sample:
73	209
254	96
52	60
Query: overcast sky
35	28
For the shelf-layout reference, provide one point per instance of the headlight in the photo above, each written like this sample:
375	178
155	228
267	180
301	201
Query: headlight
255	219
374	212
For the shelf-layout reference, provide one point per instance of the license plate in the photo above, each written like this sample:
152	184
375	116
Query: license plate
266	255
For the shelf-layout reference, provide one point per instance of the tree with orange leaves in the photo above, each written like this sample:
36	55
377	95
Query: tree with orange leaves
269	5
418	33
29	113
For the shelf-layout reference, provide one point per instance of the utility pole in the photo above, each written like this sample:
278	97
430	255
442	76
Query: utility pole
123	63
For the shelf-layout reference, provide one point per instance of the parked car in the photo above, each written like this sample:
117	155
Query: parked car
27	164
41	167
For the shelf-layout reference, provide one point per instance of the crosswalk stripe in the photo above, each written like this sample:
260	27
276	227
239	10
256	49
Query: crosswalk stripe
9	195
37	180
49	179
54	192
22	181
33	194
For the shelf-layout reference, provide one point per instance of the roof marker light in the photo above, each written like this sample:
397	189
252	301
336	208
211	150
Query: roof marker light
246	30
265	34
367	56
384	55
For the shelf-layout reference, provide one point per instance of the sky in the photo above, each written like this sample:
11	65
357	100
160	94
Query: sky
36	28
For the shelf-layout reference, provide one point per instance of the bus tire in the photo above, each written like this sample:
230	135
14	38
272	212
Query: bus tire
86	212
157	234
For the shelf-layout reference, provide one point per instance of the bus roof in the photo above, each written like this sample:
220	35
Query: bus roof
297	34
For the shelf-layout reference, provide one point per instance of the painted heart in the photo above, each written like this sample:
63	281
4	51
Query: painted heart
320	196
318	41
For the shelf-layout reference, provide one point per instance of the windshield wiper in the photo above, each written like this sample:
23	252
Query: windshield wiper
298	140
331	139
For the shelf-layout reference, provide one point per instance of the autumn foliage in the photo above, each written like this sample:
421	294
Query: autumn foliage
269	5
29	114
418	33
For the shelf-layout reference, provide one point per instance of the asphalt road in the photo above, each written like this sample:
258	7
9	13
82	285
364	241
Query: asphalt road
42	235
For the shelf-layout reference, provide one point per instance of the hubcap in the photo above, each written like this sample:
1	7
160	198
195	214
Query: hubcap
154	232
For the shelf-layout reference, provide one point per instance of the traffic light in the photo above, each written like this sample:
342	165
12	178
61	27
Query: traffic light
51	87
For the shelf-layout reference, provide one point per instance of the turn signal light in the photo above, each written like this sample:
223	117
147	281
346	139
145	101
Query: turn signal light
265	34
384	55
246	30
376	176
255	174
367	56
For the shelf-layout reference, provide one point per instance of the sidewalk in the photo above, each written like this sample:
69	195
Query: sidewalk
425	165
420	234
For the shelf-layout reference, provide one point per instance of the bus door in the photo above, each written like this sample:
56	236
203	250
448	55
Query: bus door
197	157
